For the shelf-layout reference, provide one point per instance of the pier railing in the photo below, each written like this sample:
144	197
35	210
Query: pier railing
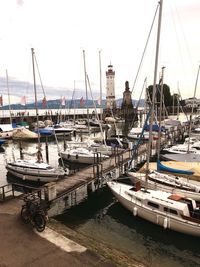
12	190
6	191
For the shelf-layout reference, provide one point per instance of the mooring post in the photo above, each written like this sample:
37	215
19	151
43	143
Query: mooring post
64	139
20	150
47	149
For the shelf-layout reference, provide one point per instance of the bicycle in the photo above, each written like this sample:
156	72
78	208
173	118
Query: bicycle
33	213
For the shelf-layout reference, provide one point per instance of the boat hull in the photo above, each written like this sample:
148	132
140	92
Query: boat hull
164	220
34	174
164	187
78	158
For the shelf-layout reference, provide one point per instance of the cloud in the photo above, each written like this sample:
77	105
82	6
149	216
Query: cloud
18	88
20	2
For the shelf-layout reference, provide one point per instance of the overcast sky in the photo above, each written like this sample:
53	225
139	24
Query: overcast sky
59	31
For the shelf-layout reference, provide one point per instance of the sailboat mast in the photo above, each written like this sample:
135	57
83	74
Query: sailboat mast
74	100
86	90
100	85
154	89
160	112
8	97
36	102
178	103
195	89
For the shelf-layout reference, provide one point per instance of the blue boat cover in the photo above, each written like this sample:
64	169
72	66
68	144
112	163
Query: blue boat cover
161	167
155	128
2	141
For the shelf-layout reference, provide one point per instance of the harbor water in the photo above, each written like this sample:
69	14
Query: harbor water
103	219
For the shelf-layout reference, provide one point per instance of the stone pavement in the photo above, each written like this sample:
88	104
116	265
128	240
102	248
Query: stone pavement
21	246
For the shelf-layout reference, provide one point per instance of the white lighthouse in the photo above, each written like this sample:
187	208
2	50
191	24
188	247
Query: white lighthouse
110	88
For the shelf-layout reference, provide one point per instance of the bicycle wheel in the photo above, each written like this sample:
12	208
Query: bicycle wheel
39	222
25	215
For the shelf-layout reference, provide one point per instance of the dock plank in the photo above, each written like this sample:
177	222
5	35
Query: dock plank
88	174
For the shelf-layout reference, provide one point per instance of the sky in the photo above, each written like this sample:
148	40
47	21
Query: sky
109	32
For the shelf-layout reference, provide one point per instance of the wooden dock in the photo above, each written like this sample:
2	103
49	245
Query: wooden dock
65	193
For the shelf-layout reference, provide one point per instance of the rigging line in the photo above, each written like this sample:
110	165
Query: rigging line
39	76
181	105
95	110
56	139
86	90
193	102
183	36
41	83
72	101
136	110
116	132
141	61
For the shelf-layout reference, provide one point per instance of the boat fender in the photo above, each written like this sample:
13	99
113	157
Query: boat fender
76	156
68	156
165	223
196	189
135	210
66	171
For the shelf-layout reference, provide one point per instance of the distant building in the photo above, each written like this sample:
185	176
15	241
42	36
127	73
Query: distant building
110	88
192	102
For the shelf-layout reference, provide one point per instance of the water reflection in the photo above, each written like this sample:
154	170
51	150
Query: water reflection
102	218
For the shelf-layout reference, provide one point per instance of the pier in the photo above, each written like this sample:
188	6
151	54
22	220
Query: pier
53	114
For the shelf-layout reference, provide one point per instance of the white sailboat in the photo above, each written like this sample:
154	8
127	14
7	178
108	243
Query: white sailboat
162	208
159	207
168	183
82	155
35	170
181	149
88	151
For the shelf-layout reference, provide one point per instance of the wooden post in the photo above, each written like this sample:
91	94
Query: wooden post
20	150
47	149
64	139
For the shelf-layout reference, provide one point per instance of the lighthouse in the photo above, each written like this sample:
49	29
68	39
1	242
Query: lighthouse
110	88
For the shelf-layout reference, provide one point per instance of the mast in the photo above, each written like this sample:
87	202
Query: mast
178	103
101	111
8	97
36	105
86	91
195	89
74	100
154	91
160	113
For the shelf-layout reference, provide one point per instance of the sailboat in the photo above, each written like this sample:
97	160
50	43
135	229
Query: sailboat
87	152
168	183
35	170
165	209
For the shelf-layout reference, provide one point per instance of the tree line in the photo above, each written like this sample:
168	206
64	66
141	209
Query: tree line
169	99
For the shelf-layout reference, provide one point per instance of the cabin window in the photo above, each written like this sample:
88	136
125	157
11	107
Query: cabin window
172	211
152	204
